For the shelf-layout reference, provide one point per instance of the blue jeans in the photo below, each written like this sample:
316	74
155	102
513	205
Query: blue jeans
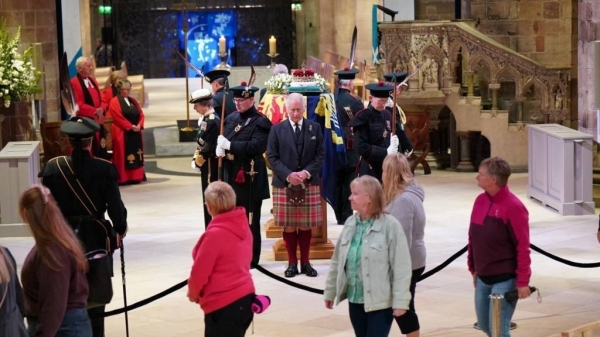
483	306
370	324
75	323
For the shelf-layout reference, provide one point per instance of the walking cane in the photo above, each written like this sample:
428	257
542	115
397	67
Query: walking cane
124	287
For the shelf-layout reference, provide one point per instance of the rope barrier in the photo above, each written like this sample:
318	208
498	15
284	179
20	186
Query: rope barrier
320	291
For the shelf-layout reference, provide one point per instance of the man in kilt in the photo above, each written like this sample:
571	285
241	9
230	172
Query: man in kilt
296	153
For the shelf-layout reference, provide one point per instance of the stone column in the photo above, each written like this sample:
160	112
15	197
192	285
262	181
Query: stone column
465	164
470	85
494	87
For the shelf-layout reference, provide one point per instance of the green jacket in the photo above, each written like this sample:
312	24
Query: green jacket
385	262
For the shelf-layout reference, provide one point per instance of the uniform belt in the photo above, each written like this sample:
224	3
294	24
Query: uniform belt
232	157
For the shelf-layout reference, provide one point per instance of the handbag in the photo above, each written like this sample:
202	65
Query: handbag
98	277
296	194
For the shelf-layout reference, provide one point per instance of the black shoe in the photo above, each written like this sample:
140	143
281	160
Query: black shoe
291	271
308	270
513	326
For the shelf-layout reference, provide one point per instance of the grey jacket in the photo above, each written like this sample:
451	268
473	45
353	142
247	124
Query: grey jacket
385	262
408	209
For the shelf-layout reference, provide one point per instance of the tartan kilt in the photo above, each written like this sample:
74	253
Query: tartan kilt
308	214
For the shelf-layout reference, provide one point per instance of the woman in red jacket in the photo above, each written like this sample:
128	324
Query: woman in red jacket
126	131
220	280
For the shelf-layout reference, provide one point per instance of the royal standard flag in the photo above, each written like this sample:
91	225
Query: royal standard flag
320	109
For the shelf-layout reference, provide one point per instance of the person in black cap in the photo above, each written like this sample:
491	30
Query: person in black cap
372	132
85	188
205	161
218	82
395	79
347	105
243	143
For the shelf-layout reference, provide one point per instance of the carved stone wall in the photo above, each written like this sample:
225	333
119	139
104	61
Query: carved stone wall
589	31
443	48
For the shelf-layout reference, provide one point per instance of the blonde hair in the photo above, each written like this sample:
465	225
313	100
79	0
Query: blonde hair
220	197
396	176
114	77
5	267
123	84
372	187
49	228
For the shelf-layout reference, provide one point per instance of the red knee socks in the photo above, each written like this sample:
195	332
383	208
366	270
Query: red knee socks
291	244
304	243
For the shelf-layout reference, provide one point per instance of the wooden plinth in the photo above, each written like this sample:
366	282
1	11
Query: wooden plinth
320	246
273	232
318	250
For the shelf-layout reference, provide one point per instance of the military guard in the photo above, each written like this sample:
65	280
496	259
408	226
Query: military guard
85	188
347	105
372	132
205	160
218	82
243	143
395	79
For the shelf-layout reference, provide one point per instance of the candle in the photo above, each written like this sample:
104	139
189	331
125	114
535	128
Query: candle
222	49
272	46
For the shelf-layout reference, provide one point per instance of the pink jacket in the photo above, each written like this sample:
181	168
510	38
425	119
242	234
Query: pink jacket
221	271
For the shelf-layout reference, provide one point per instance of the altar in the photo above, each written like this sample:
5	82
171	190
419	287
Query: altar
321	109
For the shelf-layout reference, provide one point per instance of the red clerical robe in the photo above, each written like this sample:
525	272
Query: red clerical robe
85	109
120	126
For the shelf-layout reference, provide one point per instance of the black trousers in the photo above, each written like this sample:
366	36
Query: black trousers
255	229
210	167
97	323
343	210
409	322
230	321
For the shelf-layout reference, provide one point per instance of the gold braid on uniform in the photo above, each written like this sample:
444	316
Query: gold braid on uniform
402	115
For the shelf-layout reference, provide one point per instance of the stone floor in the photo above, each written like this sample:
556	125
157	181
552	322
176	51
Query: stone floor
165	219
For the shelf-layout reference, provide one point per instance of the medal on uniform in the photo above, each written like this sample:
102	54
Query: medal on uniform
237	128
203	127
384	133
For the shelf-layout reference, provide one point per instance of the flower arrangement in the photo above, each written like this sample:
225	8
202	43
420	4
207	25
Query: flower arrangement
321	82
18	77
277	84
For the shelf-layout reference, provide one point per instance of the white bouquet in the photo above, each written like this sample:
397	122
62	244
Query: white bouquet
277	84
18	77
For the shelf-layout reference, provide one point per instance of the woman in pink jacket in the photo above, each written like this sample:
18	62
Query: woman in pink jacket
220	280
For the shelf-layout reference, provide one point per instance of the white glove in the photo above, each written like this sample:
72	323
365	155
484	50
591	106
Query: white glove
393	148
194	167
220	152
223	143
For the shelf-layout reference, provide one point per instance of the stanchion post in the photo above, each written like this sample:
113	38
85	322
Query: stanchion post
496	310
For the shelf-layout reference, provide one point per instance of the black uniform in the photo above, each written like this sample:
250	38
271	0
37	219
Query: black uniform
248	133
207	143
372	134
218	100
347	105
98	177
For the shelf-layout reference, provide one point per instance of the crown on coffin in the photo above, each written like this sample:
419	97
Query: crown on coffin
303	75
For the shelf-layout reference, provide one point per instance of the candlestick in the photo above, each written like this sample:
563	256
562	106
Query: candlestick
222	49
272	56
272	45
223	64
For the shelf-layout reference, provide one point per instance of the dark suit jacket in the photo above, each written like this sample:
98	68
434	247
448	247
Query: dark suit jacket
283	151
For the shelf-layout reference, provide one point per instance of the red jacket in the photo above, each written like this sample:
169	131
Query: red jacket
86	110
221	271
499	237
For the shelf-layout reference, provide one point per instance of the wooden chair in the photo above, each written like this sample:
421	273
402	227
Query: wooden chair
327	73
54	142
102	75
417	130
314	64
